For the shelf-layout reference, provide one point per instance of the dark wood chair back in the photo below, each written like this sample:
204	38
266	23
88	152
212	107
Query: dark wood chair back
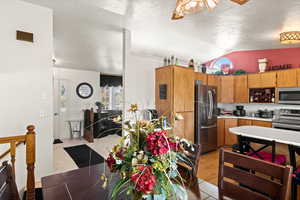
193	153
8	187
189	168
237	182
293	150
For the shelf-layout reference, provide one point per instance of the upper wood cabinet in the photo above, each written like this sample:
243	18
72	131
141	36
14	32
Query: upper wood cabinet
184	89
262	80
253	80
268	79
298	75
212	80
164	77
226	89
241	91
287	78
202	77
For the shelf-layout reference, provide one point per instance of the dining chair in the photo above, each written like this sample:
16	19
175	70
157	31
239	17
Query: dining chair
293	151
8	187
189	168
236	181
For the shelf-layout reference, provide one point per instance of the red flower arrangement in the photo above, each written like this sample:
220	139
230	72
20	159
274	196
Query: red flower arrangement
110	162
157	143
145	180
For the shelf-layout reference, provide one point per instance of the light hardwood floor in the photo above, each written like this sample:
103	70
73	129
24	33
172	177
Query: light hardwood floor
208	167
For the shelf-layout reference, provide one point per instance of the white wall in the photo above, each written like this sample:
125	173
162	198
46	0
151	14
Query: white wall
140	81
26	81
75	104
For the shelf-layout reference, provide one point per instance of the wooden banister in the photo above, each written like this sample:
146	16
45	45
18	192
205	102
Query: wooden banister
8	151
15	141
30	160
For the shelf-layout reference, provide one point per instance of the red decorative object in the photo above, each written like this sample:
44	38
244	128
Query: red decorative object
157	143
145	179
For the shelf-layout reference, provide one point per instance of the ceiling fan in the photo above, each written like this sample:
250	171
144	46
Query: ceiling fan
184	7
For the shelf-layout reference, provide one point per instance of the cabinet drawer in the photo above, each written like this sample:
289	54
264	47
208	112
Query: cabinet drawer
262	123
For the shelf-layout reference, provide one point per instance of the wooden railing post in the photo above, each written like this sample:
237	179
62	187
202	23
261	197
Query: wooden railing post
30	160
13	158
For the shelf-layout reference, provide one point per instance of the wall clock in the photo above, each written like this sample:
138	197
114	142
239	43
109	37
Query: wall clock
84	90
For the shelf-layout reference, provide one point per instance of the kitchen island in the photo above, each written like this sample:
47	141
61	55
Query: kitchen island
269	134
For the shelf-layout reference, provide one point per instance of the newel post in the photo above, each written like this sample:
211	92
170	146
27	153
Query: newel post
30	160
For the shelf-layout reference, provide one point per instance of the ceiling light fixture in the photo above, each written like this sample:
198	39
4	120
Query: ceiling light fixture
290	37
184	7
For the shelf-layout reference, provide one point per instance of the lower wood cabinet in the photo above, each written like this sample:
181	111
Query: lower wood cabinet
262	123
185	128
221	132
230	138
224	124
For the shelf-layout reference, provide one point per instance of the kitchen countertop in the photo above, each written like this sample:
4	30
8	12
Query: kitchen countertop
269	134
246	117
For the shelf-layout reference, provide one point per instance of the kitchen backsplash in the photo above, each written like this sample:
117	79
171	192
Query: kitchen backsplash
255	107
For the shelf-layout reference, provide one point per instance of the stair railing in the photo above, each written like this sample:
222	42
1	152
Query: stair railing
29	140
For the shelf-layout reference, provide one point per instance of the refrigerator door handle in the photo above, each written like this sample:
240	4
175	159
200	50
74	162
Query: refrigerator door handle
210	97
207	127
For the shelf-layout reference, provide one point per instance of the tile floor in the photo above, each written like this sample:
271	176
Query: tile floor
63	162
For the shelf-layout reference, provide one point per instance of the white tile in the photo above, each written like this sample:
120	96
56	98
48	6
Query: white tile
63	162
210	189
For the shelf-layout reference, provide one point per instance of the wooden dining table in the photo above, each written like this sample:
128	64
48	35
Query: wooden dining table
86	184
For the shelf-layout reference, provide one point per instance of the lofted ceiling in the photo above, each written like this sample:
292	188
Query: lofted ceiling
202	36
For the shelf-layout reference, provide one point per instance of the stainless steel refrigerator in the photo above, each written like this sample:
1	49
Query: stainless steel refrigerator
206	116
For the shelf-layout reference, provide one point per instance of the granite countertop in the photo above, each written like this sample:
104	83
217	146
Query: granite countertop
246	117
270	134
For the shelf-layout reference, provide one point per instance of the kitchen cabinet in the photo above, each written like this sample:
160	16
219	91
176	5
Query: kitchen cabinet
241	91
202	77
183	84
227	89
163	77
174	93
268	79
221	132
298	81
262	80
230	138
254	81
244	122
262	123
185	128
212	80
287	78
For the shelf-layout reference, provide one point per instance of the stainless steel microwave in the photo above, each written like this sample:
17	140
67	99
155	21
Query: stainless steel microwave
289	96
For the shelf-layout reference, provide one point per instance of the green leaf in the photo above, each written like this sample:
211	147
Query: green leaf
117	187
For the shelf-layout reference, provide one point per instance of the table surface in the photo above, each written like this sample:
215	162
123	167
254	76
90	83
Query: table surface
270	134
84	184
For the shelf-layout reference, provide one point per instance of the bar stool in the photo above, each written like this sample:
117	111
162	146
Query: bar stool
246	148
75	127
293	150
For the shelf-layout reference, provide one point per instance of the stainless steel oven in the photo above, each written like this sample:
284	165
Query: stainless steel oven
289	96
287	119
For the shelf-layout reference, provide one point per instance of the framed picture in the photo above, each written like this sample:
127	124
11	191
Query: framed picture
84	90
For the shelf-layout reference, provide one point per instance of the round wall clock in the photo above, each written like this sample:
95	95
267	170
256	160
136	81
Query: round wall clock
84	90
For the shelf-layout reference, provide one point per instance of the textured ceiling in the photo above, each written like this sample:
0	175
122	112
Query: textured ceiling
202	36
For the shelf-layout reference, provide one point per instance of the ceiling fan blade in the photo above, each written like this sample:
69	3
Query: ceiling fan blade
241	2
